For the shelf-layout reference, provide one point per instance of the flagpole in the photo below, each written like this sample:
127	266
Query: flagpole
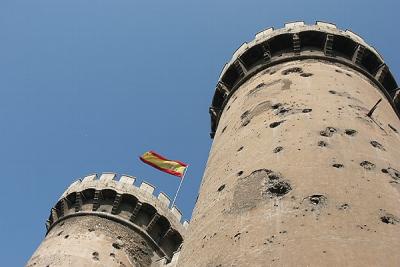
179	187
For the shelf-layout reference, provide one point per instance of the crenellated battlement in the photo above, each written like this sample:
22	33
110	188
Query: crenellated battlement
322	41
117	198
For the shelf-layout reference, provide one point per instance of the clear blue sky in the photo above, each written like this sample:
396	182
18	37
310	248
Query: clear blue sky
88	85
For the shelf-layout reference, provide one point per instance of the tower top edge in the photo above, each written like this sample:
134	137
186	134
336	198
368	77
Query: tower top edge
297	27
125	185
296	41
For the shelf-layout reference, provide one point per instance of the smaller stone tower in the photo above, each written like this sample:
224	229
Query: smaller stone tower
100	221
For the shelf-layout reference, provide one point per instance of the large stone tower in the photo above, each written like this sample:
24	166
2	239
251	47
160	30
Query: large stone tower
303	170
100	221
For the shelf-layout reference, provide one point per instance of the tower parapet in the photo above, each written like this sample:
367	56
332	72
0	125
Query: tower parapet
297	41
114	223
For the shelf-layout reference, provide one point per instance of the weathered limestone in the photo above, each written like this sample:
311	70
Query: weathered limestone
105	222
298	174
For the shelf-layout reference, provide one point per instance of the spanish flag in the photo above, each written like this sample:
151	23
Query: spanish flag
173	167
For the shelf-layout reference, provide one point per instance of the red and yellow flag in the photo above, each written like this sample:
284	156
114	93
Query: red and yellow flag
173	167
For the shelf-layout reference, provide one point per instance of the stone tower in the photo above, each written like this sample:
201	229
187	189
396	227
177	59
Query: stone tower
100	221
303	171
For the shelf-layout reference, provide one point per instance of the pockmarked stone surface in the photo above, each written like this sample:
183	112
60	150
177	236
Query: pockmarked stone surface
299	173
93	241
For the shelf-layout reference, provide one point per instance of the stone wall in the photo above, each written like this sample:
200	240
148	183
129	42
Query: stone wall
93	241
298	173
